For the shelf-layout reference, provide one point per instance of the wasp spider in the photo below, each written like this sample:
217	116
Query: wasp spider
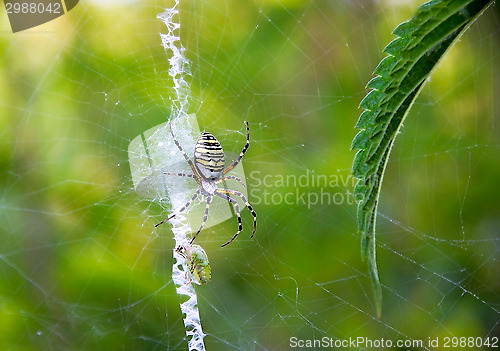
208	171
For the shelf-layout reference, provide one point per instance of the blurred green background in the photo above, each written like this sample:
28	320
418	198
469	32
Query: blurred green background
81	264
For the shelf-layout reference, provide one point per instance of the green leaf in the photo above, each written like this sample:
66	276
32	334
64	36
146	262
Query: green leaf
421	42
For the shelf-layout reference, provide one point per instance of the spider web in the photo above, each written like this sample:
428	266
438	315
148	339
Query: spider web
81	264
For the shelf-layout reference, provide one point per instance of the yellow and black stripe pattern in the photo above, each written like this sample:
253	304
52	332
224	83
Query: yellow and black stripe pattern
209	157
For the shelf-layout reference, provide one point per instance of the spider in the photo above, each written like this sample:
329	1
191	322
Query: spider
208	171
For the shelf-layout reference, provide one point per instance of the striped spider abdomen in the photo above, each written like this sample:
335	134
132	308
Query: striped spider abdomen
209	157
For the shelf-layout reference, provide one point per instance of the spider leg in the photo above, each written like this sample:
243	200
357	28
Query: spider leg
179	174
245	148
230	177
182	209
238	215
237	193
205	217
182	150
